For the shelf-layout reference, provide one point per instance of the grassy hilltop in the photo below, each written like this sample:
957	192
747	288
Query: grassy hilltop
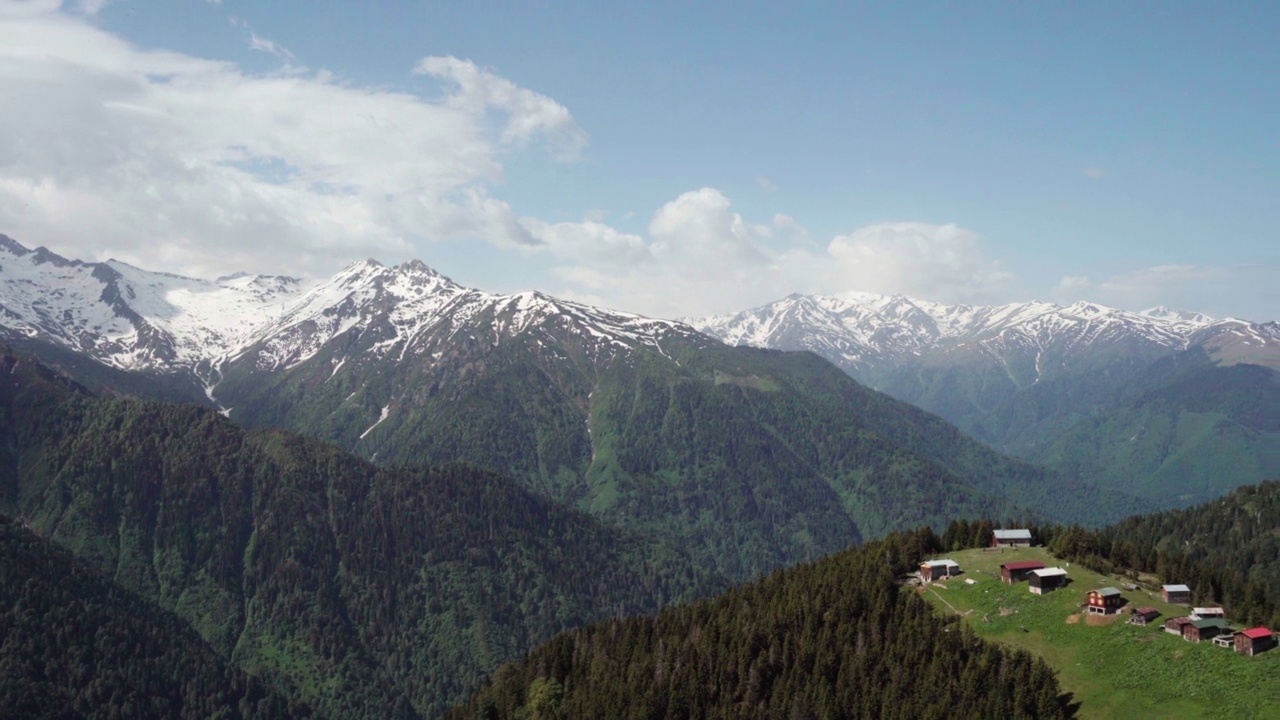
1113	668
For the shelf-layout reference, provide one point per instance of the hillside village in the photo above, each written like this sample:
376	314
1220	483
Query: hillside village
1108	636
1201	624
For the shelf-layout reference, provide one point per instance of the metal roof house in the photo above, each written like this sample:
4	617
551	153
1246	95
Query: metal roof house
1047	580
1011	538
1201	630
1176	594
931	570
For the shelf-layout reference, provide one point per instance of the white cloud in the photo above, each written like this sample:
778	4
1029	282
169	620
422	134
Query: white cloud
91	7
186	164
945	263
257	42
529	114
1093	172
766	184
700	257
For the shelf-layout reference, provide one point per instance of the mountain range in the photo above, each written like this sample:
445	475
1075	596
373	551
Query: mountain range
747	459
1105	395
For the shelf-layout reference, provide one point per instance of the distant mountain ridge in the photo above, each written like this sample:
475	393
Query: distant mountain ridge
861	332
1159	403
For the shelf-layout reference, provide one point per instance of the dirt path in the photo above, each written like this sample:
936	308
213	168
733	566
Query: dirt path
944	601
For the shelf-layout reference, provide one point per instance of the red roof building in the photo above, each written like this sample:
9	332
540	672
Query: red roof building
1013	572
1255	640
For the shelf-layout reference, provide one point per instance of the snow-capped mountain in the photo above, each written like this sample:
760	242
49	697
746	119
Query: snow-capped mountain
130	318
868	334
136	320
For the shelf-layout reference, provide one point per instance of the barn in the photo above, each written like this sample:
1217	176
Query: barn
1015	572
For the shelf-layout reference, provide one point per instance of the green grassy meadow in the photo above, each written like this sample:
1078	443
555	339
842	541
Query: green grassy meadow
1116	670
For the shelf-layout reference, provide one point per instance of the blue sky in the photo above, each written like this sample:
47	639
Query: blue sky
666	159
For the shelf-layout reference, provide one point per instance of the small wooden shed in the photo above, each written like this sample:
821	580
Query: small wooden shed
1144	615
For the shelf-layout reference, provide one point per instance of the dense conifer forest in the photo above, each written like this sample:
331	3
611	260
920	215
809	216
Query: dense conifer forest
366	592
74	645
832	639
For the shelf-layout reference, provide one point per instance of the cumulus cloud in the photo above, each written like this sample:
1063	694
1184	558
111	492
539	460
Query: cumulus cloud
700	257
187	164
939	262
697	256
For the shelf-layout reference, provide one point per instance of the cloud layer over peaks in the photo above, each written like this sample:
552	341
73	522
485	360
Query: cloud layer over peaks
700	257
198	166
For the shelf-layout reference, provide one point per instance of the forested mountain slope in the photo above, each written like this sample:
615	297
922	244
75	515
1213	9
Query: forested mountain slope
831	639
366	592
1183	431
73	645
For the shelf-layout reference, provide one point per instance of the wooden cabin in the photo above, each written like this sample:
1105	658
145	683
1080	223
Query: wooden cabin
1011	538
1255	640
1144	616
1174	626
931	570
1047	580
1176	594
1201	630
1105	601
1016	572
1205	613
